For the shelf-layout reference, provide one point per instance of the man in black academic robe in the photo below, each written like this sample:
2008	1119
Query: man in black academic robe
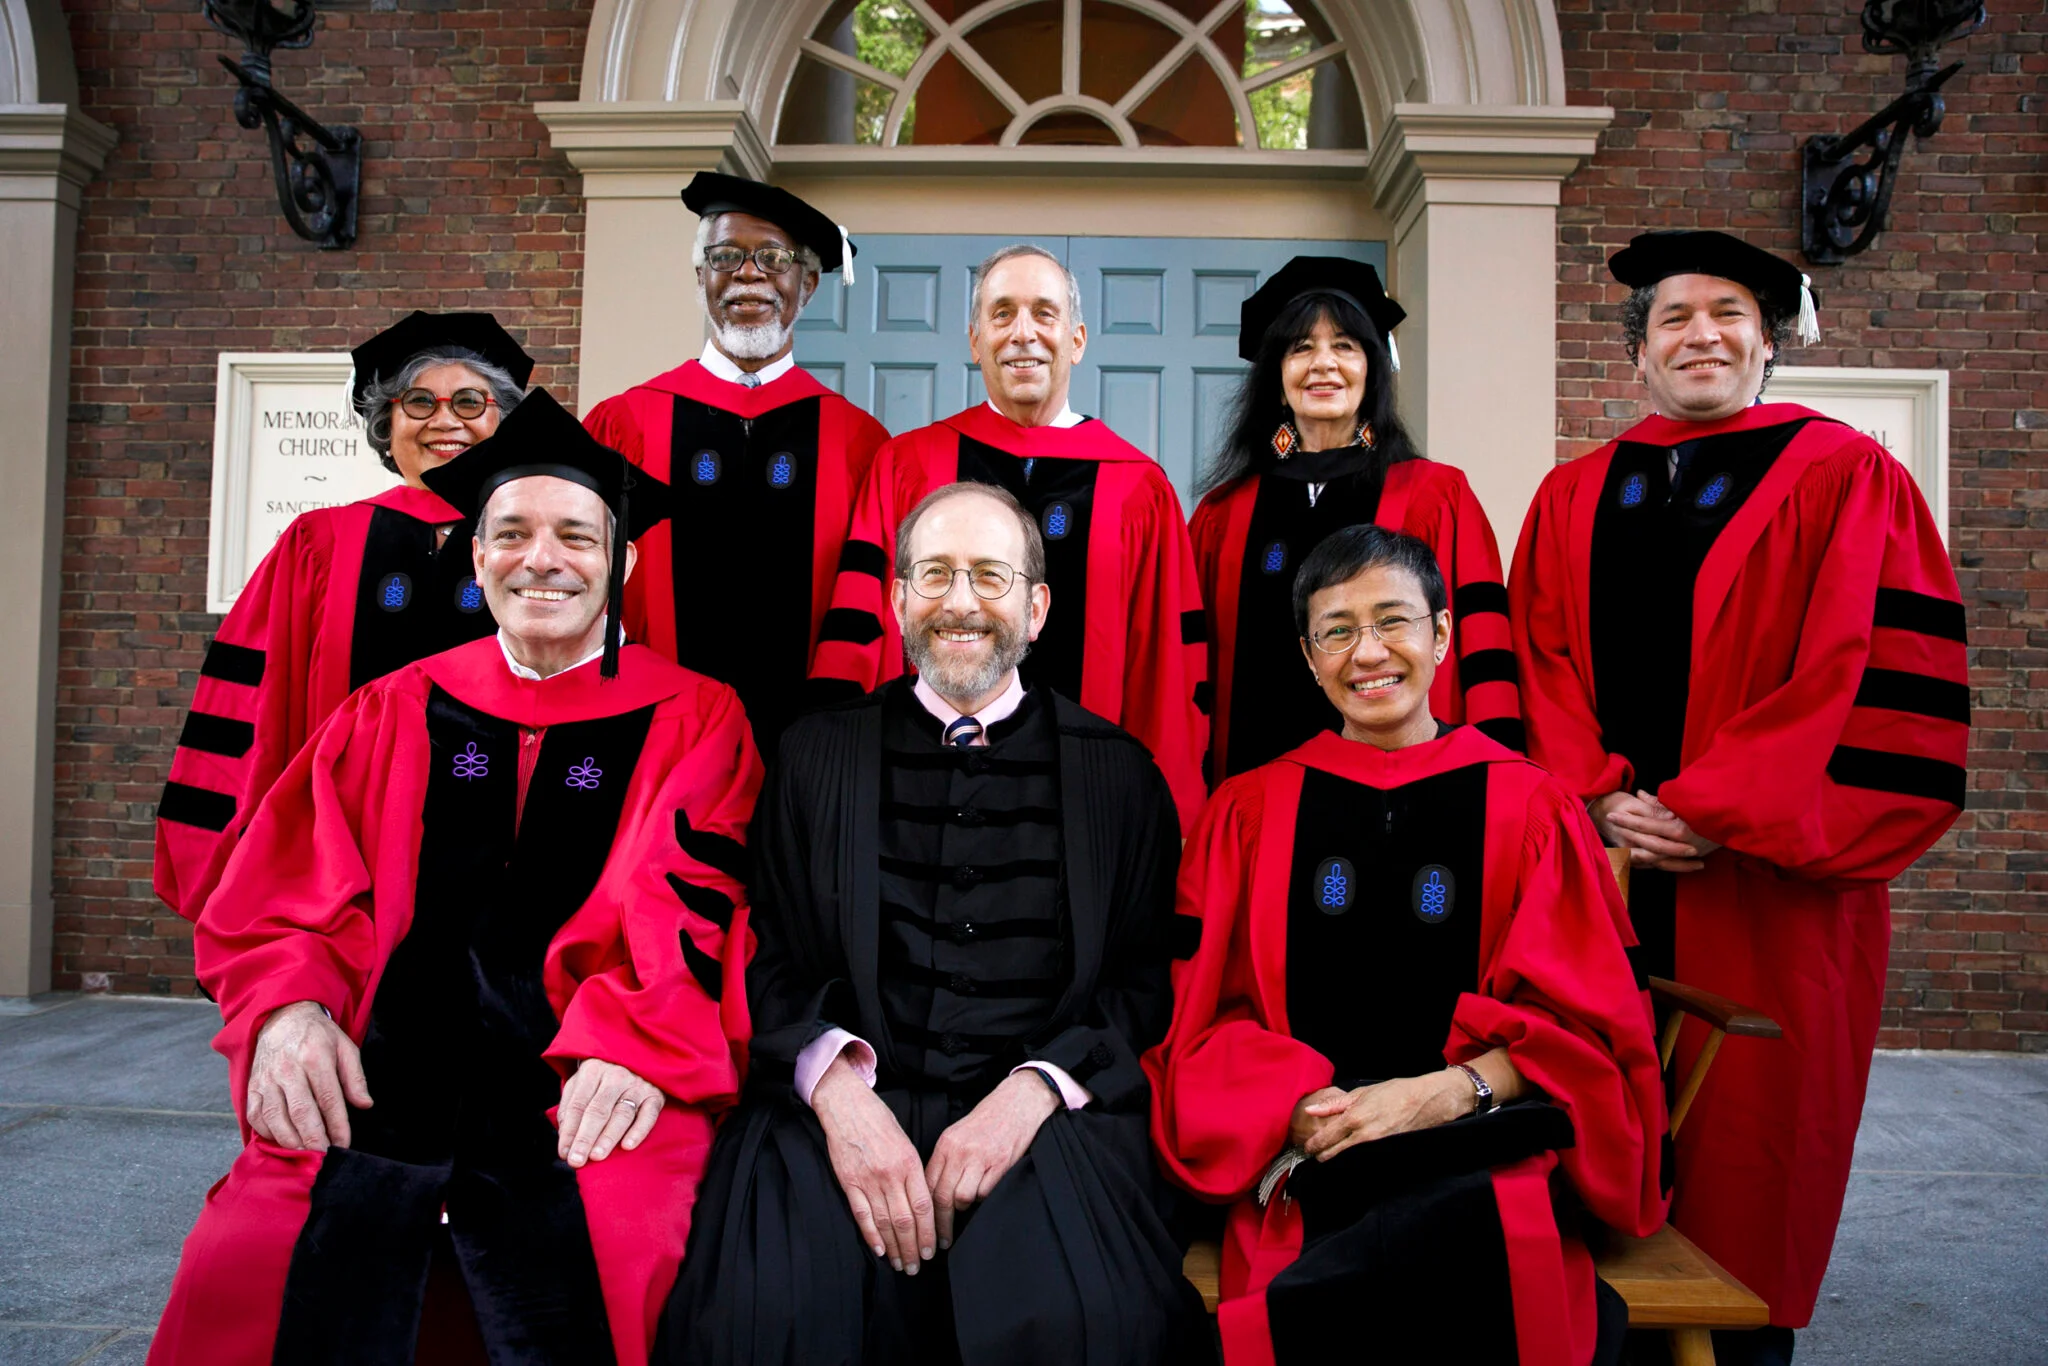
962	888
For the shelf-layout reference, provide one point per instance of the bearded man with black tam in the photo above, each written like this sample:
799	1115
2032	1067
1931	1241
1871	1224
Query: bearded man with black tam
1741	643
962	890
478	958
757	452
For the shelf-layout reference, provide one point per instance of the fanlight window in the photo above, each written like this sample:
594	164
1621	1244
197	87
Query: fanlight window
1136	73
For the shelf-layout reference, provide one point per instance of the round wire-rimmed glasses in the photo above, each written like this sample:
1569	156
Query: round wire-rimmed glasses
1342	640
989	579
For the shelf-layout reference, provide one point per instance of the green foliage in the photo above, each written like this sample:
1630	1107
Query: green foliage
888	36
1274	34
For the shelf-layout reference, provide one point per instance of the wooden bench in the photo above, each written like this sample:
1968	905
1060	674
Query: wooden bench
1666	1282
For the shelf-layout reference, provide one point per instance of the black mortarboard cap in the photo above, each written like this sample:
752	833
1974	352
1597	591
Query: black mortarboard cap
1355	280
1778	284
541	437
388	351
709	193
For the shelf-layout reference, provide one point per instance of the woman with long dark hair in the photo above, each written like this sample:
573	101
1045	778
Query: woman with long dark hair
1316	445
347	594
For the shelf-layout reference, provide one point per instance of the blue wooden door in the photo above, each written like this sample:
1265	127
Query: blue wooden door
1161	365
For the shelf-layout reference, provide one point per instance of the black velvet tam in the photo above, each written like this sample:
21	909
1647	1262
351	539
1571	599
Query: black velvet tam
540	436
1315	275
709	192
1653	256
388	351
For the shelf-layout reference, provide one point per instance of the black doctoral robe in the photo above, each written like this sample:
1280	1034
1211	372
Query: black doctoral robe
1070	1258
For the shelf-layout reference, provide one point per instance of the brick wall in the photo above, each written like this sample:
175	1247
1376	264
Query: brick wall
182	254
1713	99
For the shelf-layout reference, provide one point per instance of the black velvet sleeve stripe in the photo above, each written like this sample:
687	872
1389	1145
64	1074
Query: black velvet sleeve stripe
703	967
1479	597
864	557
217	734
722	852
198	806
850	624
1205	697
1508	730
1909	775
1487	666
1194	627
1906	610
233	664
714	905
1897	690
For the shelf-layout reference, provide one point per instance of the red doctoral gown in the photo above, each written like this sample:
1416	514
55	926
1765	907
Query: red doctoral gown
485	880
346	595
1825	717
1432	501
1125	634
761	481
1530	955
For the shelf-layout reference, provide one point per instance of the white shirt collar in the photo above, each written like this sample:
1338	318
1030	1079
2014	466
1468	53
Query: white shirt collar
1011	699
722	366
521	671
1067	418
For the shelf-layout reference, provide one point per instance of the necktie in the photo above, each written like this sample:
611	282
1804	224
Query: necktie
963	732
750	379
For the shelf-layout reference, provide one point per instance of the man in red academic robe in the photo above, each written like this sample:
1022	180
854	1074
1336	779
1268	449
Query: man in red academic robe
1742	643
1128	641
762	460
346	595
499	881
1374	905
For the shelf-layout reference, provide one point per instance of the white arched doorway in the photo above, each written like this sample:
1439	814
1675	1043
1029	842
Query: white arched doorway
1453	141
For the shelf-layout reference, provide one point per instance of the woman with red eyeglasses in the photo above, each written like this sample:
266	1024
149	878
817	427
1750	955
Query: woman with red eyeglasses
345	596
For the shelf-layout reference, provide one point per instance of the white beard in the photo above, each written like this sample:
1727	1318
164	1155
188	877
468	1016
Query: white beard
761	341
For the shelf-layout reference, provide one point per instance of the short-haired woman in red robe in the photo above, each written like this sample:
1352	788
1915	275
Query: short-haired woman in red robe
1409	1051
347	595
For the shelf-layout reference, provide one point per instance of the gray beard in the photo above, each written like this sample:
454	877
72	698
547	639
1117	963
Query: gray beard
762	341
958	678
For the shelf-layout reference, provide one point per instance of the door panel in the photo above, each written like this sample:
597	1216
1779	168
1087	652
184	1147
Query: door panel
1161	364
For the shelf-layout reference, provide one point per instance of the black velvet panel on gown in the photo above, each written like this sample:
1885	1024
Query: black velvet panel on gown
744	502
1061	495
413	599
1651	534
1275	704
453	1057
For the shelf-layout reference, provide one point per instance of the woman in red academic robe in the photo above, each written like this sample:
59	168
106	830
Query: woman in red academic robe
1374	905
345	596
1316	446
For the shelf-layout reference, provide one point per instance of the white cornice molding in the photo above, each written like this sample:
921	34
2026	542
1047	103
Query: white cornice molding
626	148
1150	163
50	151
1484	153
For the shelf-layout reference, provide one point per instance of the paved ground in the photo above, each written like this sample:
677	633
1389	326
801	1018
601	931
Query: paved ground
114	1121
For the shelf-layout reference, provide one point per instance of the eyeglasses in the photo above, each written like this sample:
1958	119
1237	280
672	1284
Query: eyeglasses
727	259
464	403
1342	640
989	579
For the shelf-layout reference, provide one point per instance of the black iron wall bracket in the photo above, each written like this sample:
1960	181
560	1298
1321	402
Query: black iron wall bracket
319	170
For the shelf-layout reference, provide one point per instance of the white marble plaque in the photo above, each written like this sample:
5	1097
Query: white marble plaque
1905	411
284	442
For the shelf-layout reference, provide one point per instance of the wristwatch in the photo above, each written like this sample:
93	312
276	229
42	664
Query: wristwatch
1487	1104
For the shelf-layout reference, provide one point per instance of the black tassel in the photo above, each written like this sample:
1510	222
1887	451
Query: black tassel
615	593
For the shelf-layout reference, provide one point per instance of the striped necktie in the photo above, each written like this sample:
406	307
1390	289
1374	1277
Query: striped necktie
750	379
963	732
